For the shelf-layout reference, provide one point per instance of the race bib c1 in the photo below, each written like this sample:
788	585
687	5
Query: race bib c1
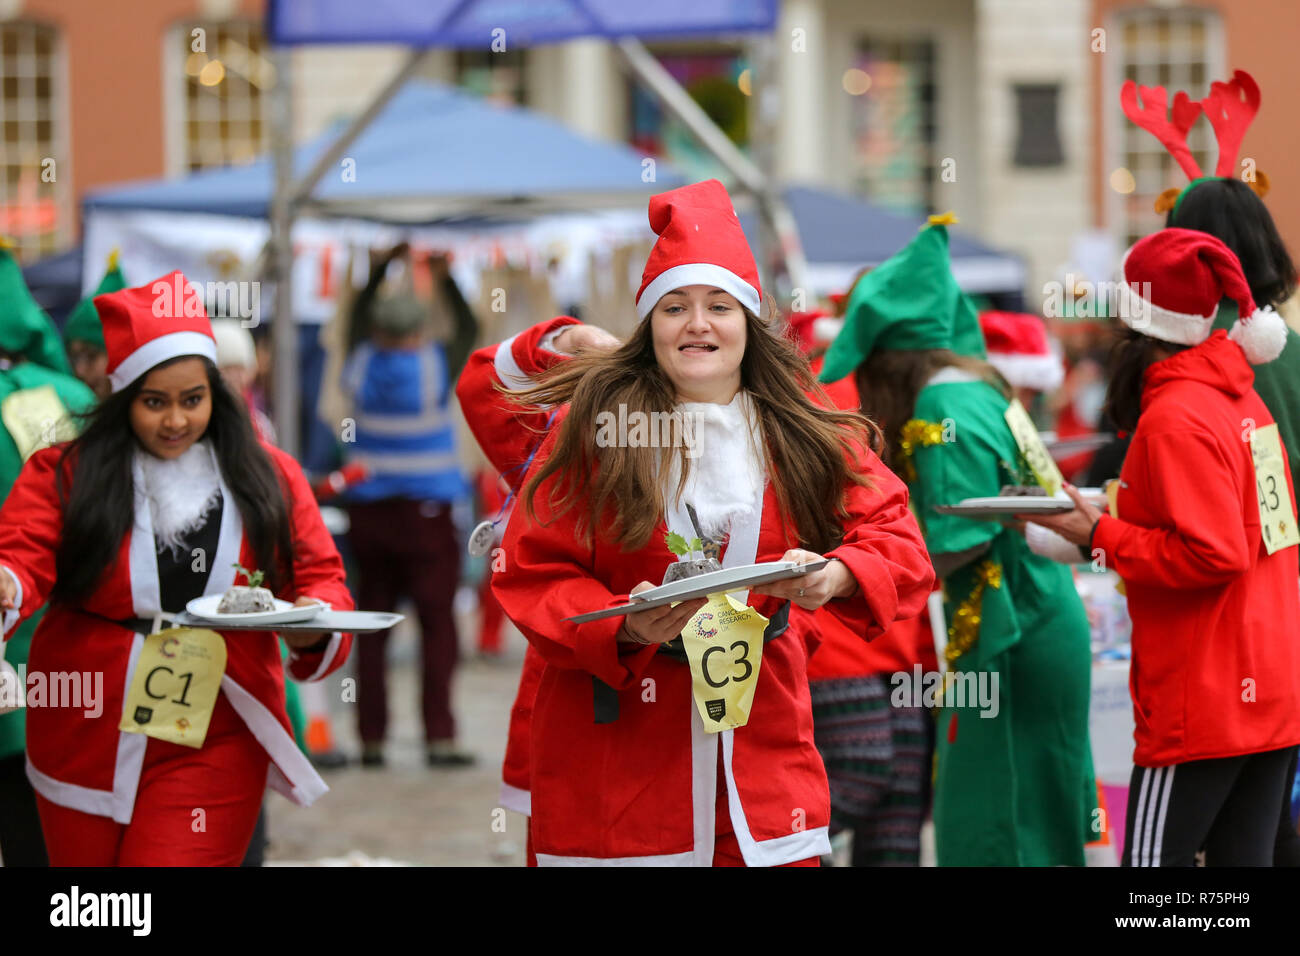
35	418
175	686
1031	446
724	644
1276	516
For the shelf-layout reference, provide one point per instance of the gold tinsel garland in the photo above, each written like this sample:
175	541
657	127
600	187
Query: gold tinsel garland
917	433
965	626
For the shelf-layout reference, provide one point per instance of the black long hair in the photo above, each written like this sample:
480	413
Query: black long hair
1230	211
98	508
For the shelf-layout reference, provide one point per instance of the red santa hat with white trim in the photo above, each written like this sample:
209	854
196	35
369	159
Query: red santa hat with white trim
1019	348
1175	279
151	324
700	243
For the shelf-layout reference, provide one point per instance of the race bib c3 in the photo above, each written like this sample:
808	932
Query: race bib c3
724	644
1032	448
175	686
1276	516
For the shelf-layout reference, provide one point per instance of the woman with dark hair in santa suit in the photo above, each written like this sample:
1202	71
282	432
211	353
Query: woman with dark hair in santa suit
1202	533
166	489
623	770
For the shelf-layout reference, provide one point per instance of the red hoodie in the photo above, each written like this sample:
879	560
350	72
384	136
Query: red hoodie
1216	618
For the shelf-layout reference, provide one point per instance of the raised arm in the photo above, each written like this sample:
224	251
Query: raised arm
31	526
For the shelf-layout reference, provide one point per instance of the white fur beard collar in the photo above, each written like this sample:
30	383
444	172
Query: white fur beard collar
728	474
181	492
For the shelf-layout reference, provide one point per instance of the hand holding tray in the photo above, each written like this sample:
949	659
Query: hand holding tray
348	622
715	582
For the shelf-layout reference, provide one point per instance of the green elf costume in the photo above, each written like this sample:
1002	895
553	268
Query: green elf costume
38	397
1014	780
83	323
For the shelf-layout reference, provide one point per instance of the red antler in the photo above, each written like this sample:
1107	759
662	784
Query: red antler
1151	116
1230	107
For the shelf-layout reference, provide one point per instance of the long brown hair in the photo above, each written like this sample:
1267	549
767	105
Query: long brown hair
808	448
890	379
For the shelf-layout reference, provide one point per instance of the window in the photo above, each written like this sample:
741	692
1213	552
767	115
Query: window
1037	141
228	77
717	79
893	118
1176	49
497	76
33	144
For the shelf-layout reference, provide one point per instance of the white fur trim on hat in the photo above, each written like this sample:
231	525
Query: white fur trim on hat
1262	337
826	328
697	273
234	344
1141	315
170	346
1044	373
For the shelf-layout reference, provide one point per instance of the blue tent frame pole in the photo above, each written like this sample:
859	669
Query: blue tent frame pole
776	218
284	330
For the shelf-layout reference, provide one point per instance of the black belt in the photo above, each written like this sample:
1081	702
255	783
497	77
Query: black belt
604	699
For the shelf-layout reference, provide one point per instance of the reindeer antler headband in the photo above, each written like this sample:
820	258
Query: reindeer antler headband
1230	108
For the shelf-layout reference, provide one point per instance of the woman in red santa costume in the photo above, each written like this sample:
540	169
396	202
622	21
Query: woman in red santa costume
1202	533
510	435
622	769
166	490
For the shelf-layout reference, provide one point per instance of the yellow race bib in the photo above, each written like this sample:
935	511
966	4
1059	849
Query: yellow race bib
724	644
175	686
35	418
1031	446
1276	517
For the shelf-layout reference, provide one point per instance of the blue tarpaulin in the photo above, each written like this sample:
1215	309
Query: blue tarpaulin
431	152
504	24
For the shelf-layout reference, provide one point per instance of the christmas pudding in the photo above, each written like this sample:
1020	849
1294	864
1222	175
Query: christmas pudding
247	600
686	566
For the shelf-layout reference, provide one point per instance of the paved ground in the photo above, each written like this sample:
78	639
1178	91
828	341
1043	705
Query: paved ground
407	813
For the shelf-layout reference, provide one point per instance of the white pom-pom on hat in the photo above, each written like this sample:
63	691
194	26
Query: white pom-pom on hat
1262	337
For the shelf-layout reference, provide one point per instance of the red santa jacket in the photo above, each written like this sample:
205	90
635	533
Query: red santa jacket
1216	618
617	793
507	433
85	762
841	653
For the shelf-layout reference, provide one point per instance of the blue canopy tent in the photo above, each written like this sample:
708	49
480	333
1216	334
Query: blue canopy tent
476	24
430	154
843	233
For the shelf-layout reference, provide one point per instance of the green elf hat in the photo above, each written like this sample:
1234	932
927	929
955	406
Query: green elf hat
910	302
25	329
83	323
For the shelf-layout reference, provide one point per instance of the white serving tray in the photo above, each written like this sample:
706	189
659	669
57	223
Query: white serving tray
715	582
999	506
349	622
205	607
